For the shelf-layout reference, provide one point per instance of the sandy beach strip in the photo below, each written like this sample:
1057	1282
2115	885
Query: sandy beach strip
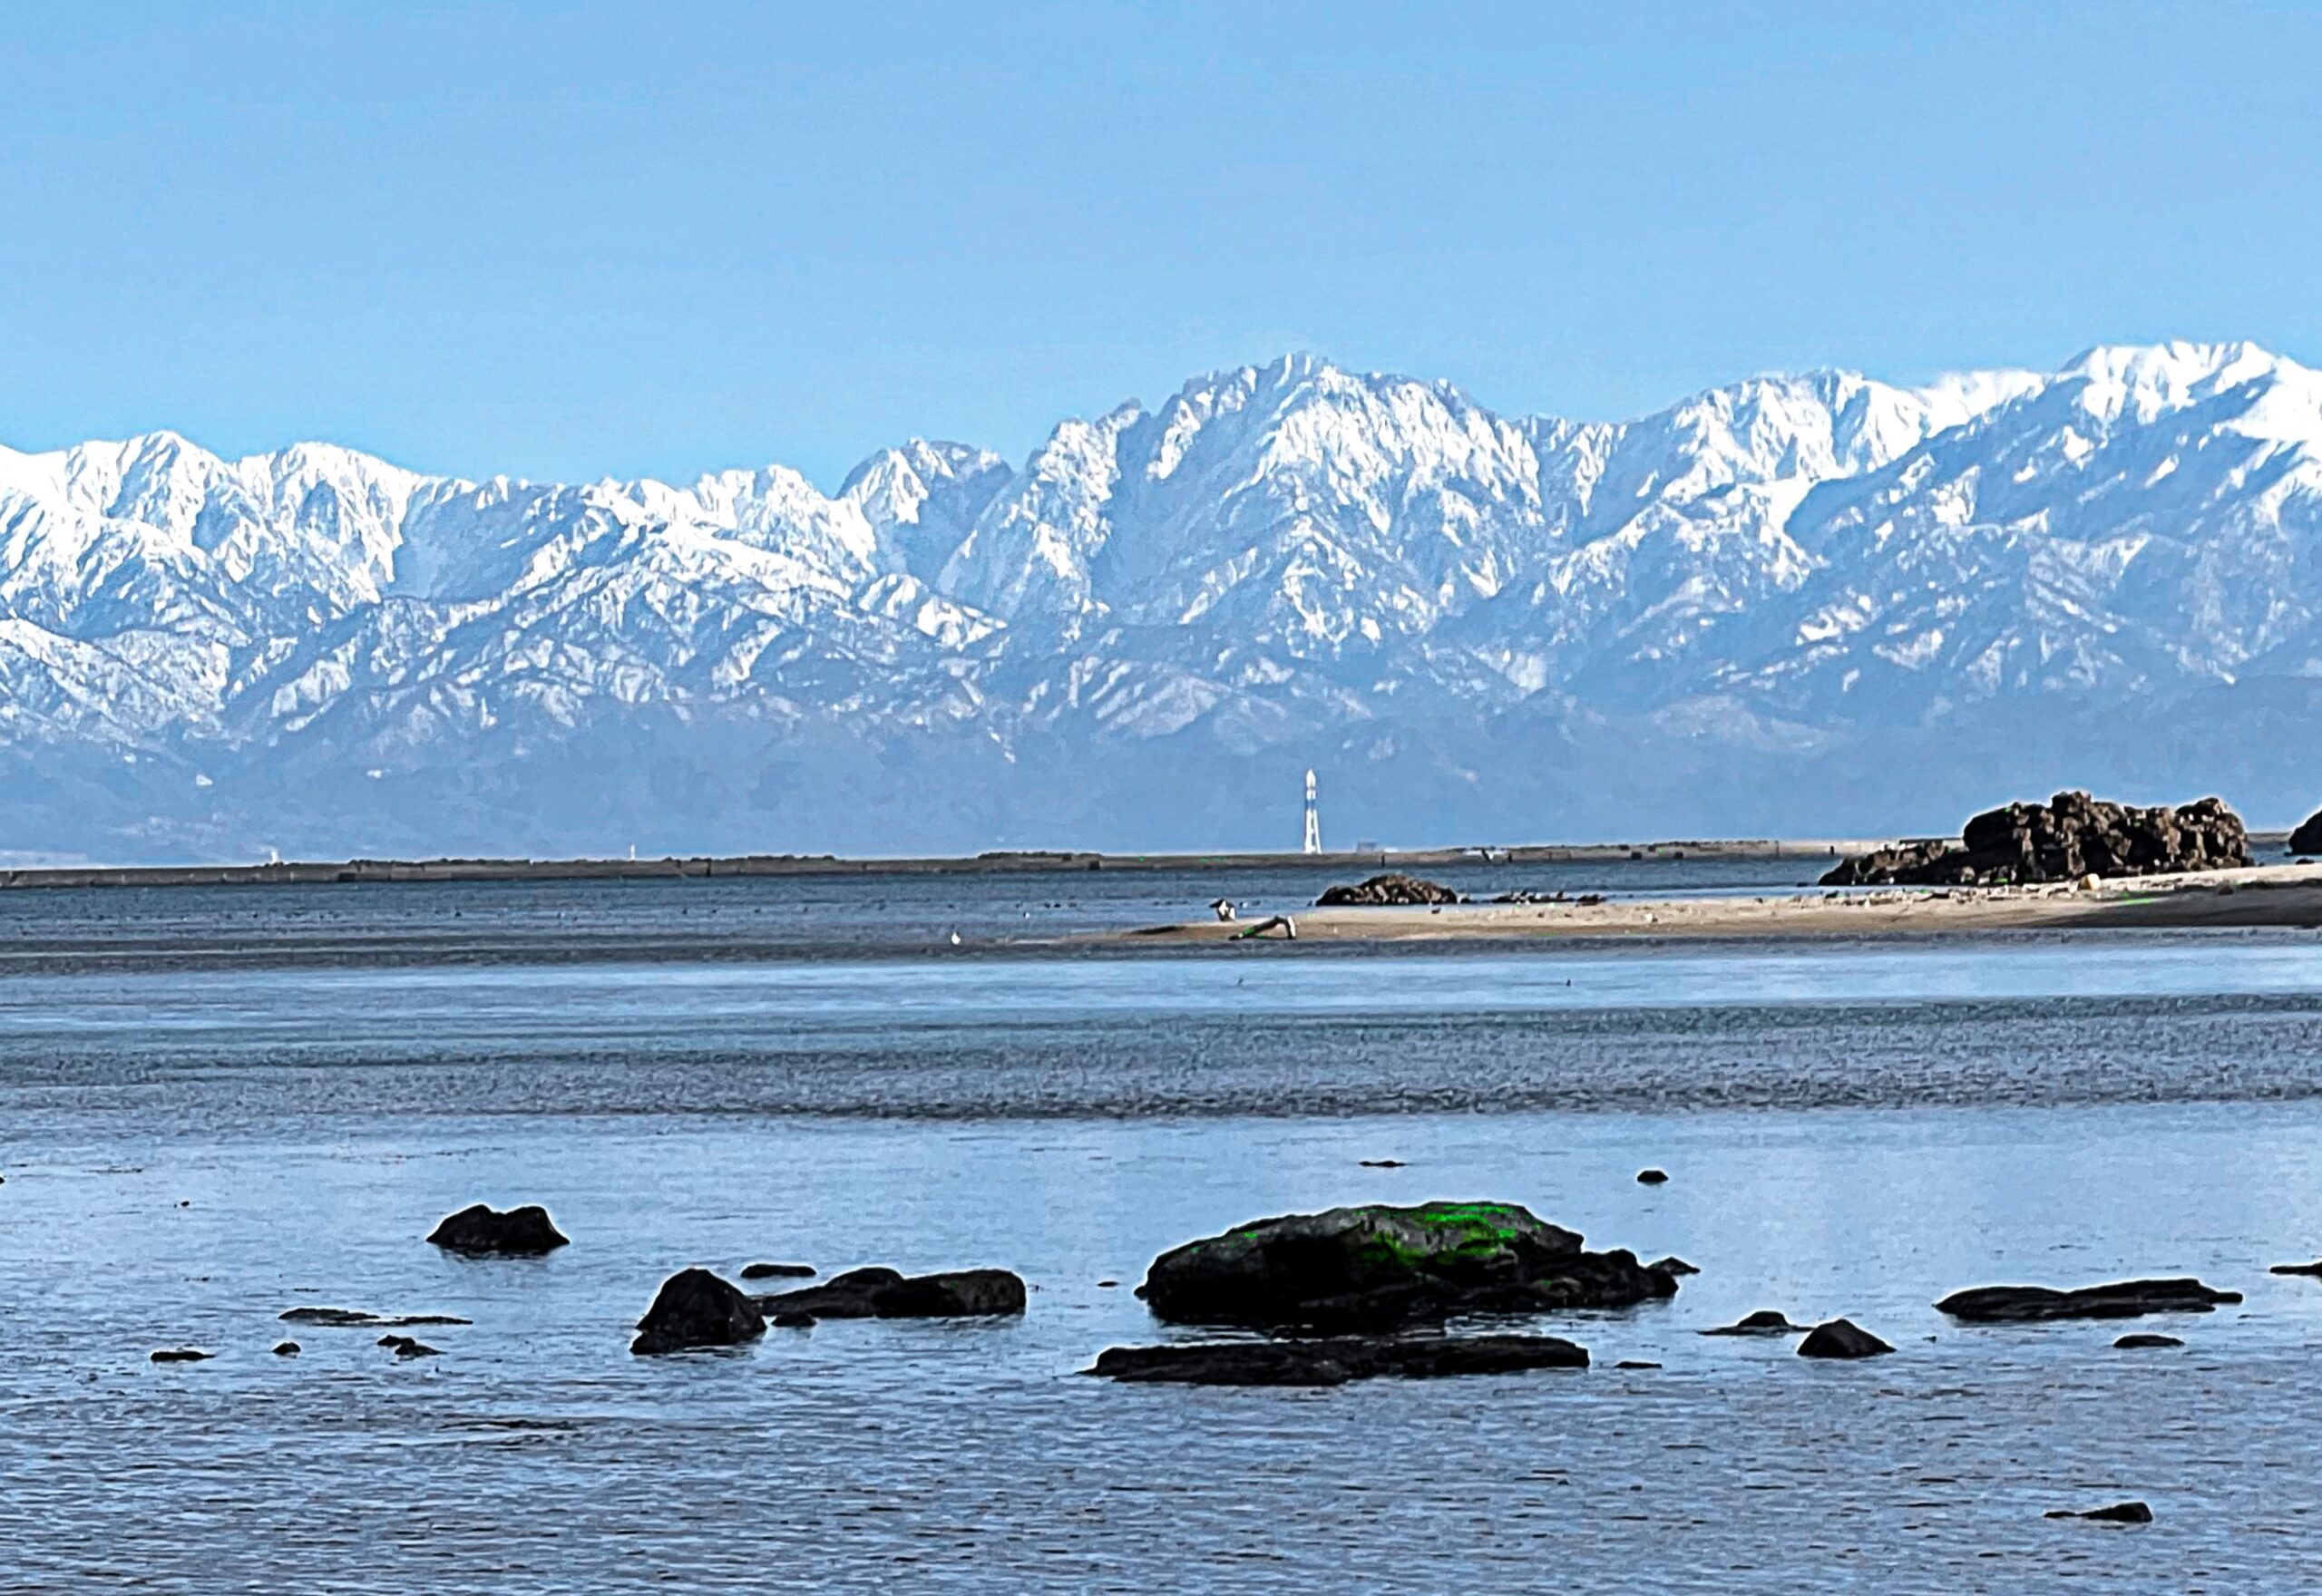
2286	896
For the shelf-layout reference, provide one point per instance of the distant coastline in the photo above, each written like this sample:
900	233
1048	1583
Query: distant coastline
357	872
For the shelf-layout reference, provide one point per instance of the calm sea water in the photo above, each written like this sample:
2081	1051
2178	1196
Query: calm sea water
216	1105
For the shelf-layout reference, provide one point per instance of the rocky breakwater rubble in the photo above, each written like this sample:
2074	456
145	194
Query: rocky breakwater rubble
1343	1288
1391	891
2070	838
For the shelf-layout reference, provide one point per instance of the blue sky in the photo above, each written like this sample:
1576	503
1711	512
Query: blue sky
572	239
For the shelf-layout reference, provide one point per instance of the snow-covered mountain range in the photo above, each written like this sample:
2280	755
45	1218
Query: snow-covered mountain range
1796	603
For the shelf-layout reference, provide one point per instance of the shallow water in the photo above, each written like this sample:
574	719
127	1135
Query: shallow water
195	1142
726	918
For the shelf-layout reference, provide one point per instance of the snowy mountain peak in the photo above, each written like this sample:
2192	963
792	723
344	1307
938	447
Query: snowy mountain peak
2144	382
1281	561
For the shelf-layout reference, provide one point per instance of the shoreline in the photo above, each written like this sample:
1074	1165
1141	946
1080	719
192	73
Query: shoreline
1029	861
2271	896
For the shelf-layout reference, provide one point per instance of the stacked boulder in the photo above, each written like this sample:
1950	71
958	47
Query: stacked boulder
2071	836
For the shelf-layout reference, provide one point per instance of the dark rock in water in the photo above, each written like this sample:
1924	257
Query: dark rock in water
287	1349
777	1271
1766	1321
883	1293
1635	1363
405	1346
695	1309
1672	1265
1377	1267
1334	1360
1999	1305
2071	836
2308	838
2140	1342
480	1231
1393	890
2120	1513
342	1316
1381	1162
1652	1177
792	1319
181	1355
2297	1268
1841	1337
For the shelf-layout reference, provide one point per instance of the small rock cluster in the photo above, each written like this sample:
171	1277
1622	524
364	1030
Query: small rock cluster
695	1309
2070	837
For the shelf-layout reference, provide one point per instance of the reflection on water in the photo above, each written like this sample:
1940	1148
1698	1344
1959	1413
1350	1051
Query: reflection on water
193	1146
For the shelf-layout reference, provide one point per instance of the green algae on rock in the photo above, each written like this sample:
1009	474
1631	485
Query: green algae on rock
1375	1266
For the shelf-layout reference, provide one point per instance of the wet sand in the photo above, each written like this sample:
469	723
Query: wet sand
2288	896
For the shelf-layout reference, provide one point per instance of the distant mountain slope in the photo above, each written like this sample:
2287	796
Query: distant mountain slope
1794	604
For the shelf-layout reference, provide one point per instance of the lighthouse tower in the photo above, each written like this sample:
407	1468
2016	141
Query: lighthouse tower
1314	842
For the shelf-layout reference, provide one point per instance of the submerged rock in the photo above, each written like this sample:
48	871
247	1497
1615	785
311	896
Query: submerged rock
885	1293
695	1309
777	1271
1652	1177
2071	836
1375	1266
181	1355
1395	890
1841	1337
480	1232
2297	1268
1993	1305
1334	1360
2140	1342
1672	1265
1766	1321
405	1346
355	1315
287	1349
2118	1512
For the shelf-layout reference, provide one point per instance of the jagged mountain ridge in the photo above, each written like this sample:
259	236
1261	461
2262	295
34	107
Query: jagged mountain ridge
1465	616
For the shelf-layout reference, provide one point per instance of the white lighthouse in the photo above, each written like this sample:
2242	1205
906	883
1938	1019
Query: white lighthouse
1314	842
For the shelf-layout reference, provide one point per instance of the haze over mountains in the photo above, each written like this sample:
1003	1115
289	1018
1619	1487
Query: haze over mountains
1797	605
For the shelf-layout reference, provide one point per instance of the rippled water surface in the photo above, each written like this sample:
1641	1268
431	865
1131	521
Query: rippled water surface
215	1106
